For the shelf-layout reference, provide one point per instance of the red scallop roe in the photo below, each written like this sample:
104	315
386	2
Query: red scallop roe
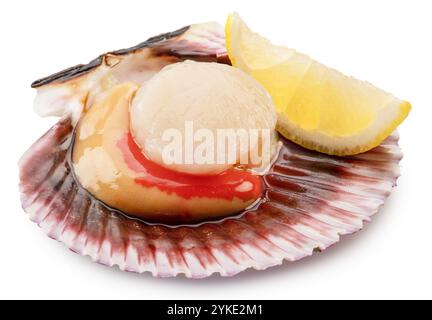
230	184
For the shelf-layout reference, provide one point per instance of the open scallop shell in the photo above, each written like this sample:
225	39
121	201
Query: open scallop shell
310	200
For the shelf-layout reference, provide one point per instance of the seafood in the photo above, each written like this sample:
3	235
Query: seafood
308	200
110	164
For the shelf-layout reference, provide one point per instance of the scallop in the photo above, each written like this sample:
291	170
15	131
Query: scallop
307	200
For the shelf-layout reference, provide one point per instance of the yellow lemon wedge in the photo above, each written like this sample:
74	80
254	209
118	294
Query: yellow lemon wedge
318	107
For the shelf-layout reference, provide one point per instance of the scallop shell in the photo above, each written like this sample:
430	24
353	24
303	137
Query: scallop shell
310	200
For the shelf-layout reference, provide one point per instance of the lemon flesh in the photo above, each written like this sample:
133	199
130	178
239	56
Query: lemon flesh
318	107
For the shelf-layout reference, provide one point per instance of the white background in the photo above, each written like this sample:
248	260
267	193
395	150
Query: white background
385	42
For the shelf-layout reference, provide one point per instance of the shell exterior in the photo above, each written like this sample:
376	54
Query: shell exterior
310	199
204	40
69	92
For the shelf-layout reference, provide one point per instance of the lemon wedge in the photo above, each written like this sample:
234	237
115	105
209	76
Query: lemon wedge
318	107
